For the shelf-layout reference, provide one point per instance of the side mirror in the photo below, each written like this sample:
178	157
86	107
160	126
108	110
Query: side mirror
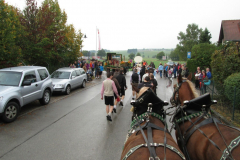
186	102
165	103
73	77
26	83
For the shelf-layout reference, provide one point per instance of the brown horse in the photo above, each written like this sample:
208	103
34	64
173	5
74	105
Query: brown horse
147	138
199	135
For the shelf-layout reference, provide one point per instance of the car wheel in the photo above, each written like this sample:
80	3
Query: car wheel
68	90
11	112
84	84
46	97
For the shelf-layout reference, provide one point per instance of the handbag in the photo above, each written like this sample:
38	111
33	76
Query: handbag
207	83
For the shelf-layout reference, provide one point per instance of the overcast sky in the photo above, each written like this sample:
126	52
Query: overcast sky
127	24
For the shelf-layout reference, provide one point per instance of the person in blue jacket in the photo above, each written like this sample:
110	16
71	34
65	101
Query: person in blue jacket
160	69
101	70
209	75
166	69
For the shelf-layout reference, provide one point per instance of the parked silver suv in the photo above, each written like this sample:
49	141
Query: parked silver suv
20	86
65	79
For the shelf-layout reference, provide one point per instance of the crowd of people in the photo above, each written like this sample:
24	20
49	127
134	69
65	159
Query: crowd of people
92	68
202	78
144	75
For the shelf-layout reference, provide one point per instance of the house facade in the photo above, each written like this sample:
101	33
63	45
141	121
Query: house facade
229	31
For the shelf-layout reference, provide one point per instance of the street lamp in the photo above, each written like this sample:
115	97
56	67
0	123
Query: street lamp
88	54
81	44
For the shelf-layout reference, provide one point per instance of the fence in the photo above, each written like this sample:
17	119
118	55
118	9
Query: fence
228	108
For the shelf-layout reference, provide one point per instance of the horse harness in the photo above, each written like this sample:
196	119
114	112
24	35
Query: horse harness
194	126
136	127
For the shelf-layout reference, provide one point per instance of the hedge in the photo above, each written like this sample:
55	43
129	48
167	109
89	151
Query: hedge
225	62
230	83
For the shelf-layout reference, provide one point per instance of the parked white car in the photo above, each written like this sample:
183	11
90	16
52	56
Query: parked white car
65	79
20	86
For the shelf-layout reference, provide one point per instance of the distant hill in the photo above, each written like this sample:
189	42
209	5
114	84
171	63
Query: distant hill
145	53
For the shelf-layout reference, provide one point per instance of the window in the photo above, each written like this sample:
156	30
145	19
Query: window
60	75
43	74
30	76
74	74
78	72
10	78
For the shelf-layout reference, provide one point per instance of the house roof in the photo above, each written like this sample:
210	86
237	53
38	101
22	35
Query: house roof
230	30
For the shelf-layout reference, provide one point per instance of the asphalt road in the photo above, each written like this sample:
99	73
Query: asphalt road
71	127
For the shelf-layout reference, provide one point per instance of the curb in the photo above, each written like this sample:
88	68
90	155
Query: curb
221	118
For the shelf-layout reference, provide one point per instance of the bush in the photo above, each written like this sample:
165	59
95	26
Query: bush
230	83
225	62
202	54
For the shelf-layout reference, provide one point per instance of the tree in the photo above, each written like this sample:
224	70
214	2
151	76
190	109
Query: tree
131	56
187	40
101	53
205	36
28	19
73	45
48	39
86	53
10	37
202	53
193	36
174	56
64	41
138	54
160	55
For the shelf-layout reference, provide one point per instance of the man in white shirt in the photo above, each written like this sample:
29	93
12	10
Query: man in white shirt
145	75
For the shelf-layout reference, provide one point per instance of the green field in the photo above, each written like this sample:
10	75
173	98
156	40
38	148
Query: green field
147	56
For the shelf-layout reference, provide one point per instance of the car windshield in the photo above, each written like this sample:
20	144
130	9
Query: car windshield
60	75
10	78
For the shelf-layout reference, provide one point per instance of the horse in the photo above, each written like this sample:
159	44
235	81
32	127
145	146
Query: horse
148	137
199	135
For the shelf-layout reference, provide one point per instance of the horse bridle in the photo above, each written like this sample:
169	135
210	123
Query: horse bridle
149	141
